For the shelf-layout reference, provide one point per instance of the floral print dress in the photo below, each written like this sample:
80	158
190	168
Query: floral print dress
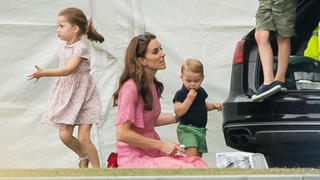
74	99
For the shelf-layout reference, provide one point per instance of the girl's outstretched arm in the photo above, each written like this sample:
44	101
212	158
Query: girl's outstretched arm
63	71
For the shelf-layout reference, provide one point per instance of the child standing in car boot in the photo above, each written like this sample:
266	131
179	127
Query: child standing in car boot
278	16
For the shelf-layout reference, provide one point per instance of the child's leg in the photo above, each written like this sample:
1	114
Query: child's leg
87	145
199	154
71	142
284	17
266	55
283	57
192	151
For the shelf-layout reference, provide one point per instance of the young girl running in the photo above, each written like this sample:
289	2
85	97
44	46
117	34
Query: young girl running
74	99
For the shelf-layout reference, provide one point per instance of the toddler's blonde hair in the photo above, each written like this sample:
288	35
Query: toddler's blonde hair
193	65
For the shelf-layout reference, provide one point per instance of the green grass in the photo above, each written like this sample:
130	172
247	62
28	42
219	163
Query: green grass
148	172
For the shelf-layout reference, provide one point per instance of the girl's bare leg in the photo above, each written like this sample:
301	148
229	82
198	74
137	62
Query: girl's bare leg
72	142
87	145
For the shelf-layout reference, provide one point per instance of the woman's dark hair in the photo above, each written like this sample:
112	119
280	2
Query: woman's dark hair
133	69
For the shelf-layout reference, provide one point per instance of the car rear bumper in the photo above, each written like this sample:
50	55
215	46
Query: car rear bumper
282	124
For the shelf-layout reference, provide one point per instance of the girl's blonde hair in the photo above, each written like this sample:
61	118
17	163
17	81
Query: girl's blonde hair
76	17
193	65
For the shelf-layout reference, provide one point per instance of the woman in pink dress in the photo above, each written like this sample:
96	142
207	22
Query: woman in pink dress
74	99
137	98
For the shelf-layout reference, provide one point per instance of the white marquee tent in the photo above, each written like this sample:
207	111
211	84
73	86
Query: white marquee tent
203	29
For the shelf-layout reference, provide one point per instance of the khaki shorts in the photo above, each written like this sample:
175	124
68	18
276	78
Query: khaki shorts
278	16
192	136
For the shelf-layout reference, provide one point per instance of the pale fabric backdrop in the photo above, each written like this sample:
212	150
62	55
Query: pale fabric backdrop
203	29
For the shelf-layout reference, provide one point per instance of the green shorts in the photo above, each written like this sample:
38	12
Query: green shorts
278	16
192	136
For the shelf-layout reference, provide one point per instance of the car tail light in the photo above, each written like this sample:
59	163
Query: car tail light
239	53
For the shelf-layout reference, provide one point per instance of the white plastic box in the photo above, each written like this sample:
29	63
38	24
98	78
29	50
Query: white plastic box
241	160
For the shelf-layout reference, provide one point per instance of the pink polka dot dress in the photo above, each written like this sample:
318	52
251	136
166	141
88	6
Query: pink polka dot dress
143	123
74	99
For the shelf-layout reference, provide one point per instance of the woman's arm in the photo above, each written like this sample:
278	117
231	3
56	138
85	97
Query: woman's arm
63	71
167	119
126	135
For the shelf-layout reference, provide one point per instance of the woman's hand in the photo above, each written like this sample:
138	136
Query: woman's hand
126	135
37	74
171	148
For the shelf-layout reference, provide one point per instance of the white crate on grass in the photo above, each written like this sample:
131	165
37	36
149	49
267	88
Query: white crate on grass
241	160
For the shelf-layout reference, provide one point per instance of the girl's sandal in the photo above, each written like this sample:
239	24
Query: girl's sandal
84	159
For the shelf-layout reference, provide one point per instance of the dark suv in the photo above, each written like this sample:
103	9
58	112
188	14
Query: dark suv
286	126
